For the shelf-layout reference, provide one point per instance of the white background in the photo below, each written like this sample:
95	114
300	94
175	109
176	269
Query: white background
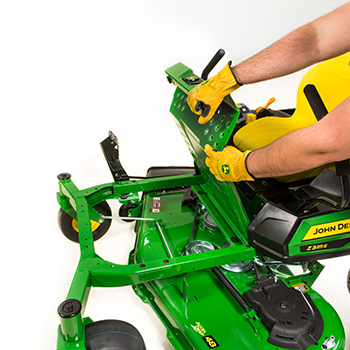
73	70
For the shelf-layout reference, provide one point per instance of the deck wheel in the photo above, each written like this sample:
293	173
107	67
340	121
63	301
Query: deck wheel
69	226
124	211
113	335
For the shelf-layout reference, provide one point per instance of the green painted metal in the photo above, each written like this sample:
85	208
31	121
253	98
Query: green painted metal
80	287
194	306
72	329
100	273
197	304
70	345
217	133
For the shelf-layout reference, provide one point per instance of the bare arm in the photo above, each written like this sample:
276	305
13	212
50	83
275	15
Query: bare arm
324	38
324	142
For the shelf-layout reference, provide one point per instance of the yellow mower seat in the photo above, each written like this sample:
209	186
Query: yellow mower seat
332	80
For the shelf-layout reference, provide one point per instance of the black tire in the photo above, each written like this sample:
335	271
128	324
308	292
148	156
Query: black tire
69	226
113	335
349	281
124	210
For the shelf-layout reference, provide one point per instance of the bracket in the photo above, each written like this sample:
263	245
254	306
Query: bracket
110	148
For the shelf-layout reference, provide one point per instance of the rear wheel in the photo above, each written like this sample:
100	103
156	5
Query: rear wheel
69	226
113	335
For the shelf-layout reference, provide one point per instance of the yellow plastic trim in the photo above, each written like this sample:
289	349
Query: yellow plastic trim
251	117
94	225
332	80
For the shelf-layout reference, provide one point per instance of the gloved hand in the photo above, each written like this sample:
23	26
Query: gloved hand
228	164
206	97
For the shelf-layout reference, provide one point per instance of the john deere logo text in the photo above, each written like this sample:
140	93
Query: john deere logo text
326	230
225	168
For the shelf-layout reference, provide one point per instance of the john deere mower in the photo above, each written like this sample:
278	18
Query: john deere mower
216	260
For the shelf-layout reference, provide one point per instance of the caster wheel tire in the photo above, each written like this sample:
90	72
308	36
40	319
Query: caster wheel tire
124	209
113	335
69	226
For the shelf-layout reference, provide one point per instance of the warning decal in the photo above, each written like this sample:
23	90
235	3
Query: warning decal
156	205
327	230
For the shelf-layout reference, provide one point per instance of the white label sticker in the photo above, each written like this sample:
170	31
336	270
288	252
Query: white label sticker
156	205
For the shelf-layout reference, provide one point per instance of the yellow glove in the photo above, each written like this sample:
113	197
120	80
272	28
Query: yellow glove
206	97
228	164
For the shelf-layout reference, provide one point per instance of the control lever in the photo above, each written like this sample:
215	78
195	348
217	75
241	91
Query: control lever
213	62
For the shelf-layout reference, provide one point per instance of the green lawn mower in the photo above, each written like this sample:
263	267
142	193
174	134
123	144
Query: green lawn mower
215	260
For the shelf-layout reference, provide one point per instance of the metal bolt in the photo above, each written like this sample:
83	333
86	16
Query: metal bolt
283	305
69	307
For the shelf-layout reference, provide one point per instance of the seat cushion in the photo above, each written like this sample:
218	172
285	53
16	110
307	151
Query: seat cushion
332	80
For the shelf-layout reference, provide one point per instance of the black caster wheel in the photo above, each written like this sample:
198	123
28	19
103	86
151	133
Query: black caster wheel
113	335
124	209
69	226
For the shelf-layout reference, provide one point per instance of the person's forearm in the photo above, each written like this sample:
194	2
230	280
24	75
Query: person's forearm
292	53
324	142
287	155
324	38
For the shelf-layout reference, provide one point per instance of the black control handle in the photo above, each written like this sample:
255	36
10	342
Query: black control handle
315	101
342	167
213	62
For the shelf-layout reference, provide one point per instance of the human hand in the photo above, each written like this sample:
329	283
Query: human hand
207	96
228	164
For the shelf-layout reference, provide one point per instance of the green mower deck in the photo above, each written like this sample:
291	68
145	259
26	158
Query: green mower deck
209	282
